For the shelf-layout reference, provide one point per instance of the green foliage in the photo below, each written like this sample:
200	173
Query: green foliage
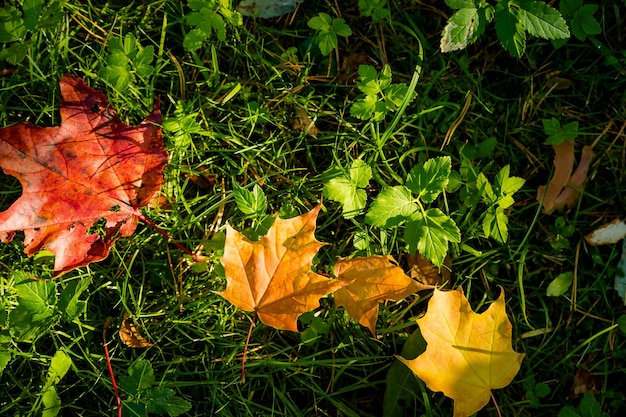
513	20
559	285
252	204
376	9
346	186
18	29
498	198
209	17
328	29
557	133
588	407
127	62
381	96
580	17
148	396
427	231
59	365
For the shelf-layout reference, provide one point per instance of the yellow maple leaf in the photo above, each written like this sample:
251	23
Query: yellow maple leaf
272	276
467	354
370	280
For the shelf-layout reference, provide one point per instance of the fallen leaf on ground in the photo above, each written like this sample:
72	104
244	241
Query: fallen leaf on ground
467	354
369	281
563	189
129	335
272	276
607	234
91	167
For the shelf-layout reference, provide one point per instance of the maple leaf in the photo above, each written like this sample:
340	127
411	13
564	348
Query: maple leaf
371	280
272	276
467	354
91	167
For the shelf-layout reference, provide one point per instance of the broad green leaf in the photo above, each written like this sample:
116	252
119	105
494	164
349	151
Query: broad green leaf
505	185
340	27
542	20
12	26
556	133
368	80
59	365
394	95
428	180
70	304
322	22
37	296
347	188
5	358
459	30
162	400
461	4
364	108
140	377
134	408
194	39
384	77
495	224
430	233
326	41
559	285
583	23
510	30
51	402
485	189
32	11
569	7
119	59
252	204
391	207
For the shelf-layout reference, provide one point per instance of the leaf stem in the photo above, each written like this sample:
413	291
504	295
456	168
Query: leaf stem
149	222
245	349
107	323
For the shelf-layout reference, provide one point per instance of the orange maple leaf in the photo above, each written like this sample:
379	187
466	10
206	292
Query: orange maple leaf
272	276
467	354
91	167
371	280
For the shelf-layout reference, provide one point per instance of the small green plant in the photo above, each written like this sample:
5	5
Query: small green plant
377	9
127	62
513	21
16	26
427	230
498	198
209	17
148	396
328	29
580	17
381	96
346	186
557	133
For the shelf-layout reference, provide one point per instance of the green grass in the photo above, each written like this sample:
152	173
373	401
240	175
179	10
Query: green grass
229	111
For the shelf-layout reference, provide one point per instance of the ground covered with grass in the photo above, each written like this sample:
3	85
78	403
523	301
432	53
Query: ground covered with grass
262	102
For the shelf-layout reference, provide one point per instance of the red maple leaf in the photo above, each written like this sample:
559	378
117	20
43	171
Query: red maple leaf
91	167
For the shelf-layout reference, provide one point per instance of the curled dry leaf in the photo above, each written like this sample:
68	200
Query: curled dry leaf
91	167
564	188
272	276
371	280
129	335
467	354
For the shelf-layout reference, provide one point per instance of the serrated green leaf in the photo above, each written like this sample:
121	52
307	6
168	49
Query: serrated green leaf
364	108
510	30
391	207
134	408
360	173
140	377
341	190
394	95
144	57
542	20
340	27
368	80
162	400
506	186
322	22
429	234
569	7
459	30
556	133
326	41
485	189
428	180
495	224
12	26
37	296
583	23
252	204
194	39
